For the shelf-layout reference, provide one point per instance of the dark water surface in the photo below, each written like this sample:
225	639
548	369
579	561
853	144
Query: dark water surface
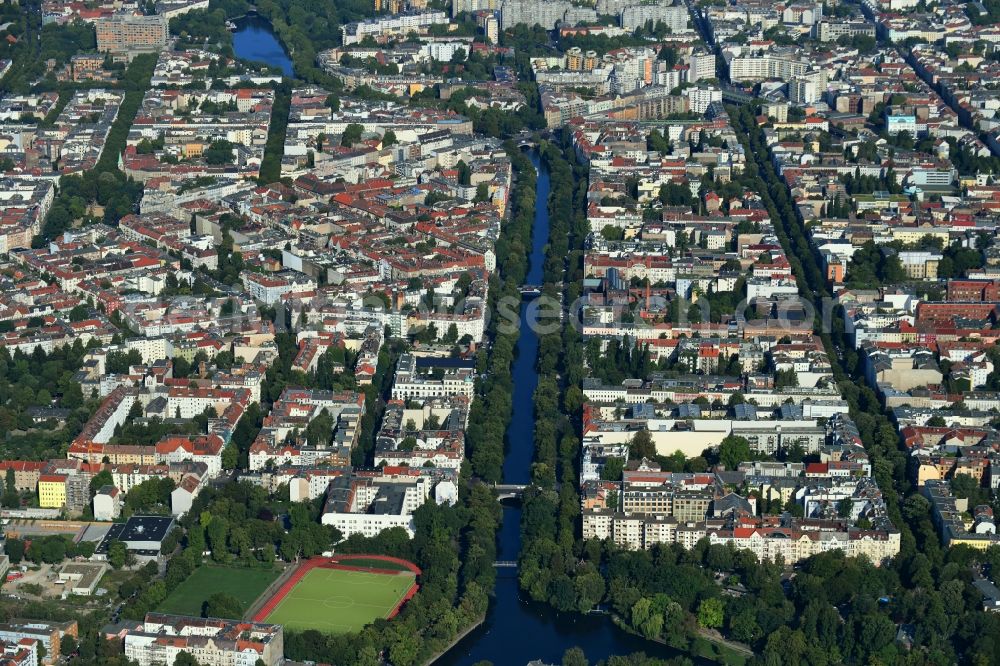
255	40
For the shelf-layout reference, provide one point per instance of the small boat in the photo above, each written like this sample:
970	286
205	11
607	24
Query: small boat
230	26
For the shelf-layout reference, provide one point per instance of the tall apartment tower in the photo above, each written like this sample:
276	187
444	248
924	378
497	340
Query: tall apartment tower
459	6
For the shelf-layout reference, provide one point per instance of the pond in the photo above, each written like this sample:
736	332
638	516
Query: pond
254	40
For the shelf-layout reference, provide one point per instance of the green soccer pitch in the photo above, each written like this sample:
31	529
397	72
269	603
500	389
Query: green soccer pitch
338	601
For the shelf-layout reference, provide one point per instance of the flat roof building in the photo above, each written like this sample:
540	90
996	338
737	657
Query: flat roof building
142	535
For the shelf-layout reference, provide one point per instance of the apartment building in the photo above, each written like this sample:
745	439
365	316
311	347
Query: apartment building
107	503
832	30
459	6
397	24
126	36
366	506
211	641
423	377
699	99
20	653
26	473
701	66
793	544
644	499
691	506
545	14
951	513
47	635
675	17
758	67
64	489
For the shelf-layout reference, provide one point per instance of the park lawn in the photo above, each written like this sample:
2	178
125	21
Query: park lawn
244	584
336	601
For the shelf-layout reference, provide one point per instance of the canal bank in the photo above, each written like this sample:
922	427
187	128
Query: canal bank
516	631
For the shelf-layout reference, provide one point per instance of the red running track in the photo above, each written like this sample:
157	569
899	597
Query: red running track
341	562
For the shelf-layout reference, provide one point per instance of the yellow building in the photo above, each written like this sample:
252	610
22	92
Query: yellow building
910	235
397	6
52	491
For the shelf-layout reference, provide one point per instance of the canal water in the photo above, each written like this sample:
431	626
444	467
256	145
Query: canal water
255	40
520	438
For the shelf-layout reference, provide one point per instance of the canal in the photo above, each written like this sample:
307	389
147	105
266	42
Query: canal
517	631
254	40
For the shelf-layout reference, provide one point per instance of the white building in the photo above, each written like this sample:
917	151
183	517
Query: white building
699	99
19	653
432	378
545	14
675	17
701	66
107	503
765	66
367	506
803	90
397	24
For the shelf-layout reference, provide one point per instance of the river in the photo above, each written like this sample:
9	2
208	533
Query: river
255	40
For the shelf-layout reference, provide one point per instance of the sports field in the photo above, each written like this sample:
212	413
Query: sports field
338	601
244	584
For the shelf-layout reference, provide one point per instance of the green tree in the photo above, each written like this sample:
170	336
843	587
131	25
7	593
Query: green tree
612	469
117	554
219	152
642	445
101	479
222	605
352	135
11	498
464	173
733	450
15	550
185	659
574	657
230	456
67	645
405	650
785	379
79	312
711	613
646	619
